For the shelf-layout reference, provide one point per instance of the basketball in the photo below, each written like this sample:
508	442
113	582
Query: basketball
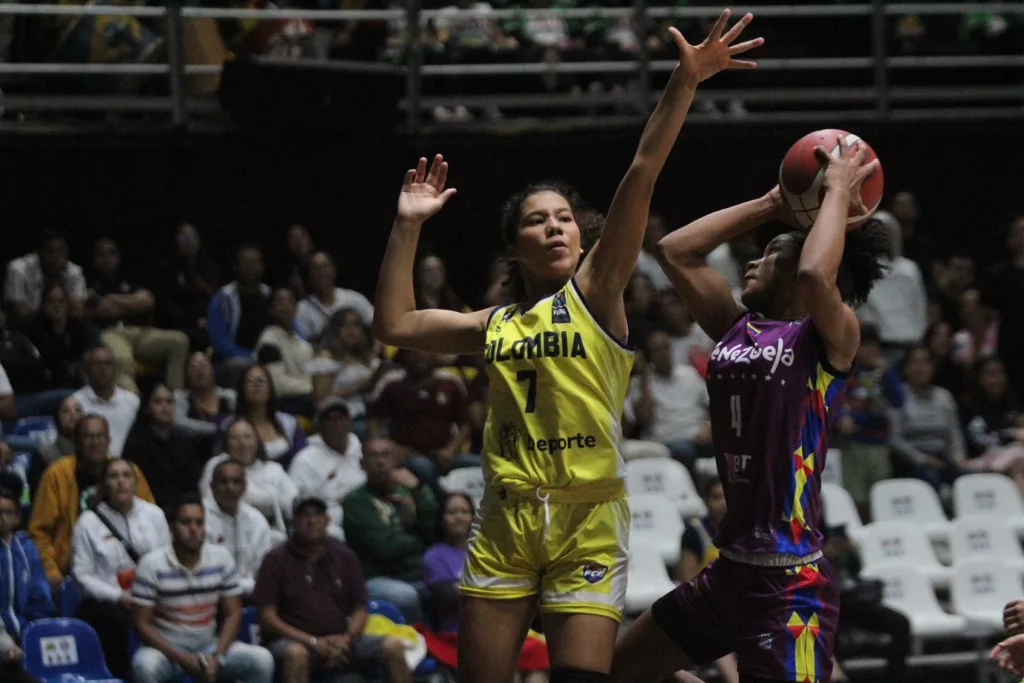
801	176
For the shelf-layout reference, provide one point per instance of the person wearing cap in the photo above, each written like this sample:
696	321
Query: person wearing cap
389	522
331	465
312	598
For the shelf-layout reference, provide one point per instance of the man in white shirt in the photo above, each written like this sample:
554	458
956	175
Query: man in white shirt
26	276
331	465
101	396
326	299
236	525
668	403
178	592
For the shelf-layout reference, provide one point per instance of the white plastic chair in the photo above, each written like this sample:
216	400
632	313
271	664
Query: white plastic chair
466	479
632	449
981	588
910	500
656	523
833	472
840	510
667	478
989	494
907	591
886	543
981	535
647	578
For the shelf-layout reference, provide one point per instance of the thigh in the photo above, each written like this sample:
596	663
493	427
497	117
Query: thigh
646	653
150	665
155	344
119	342
697	616
491	635
401	594
580	640
501	557
586	557
243	662
789	633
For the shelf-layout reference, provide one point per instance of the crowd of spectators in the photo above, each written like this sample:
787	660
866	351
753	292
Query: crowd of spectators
251	433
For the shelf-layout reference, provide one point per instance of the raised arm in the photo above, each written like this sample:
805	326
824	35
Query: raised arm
823	252
605	272
395	318
683	257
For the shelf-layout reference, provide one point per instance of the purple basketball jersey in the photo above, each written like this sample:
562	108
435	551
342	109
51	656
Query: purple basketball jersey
772	394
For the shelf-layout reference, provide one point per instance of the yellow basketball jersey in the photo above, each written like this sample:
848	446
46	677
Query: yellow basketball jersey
557	384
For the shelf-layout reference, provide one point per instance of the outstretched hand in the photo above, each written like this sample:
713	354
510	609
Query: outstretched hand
423	192
847	172
1009	654
700	62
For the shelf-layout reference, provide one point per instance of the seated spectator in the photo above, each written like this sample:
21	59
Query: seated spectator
979	337
61	340
926	428
184	285
443	562
124	311
28	375
640	312
946	374
860	602
236	525
995	424
897	304
669	403
326	299
278	431
1004	292
389	521
202	405
299	251
171	458
67	489
285	354
430	285
12	476
953	276
267	487
68	414
312	599
862	426
26	594
647	262
109	540
690	344
27	276
237	314
699	550
348	342
330	466
424	412
179	591
102	396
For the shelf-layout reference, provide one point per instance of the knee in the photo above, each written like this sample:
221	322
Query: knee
392	651
263	663
295	656
145	665
179	341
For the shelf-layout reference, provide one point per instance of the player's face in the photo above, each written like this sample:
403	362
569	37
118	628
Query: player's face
772	276
548	242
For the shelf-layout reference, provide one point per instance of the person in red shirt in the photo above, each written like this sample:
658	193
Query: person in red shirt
424	411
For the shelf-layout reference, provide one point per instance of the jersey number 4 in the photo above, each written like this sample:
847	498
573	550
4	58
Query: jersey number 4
530	377
736	423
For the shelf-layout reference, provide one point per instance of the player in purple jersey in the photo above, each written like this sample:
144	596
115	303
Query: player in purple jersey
774	379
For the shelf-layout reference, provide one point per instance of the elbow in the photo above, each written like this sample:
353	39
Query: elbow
673	252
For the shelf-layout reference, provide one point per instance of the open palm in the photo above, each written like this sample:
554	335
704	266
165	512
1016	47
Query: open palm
423	192
716	53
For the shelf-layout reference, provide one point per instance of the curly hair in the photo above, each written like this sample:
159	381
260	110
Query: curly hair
866	259
590	222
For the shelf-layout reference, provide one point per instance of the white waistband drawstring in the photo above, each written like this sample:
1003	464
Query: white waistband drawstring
547	510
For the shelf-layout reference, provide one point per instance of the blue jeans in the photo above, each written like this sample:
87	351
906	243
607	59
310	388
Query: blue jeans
406	596
242	663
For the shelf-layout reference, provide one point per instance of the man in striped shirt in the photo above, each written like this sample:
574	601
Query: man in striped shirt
177	593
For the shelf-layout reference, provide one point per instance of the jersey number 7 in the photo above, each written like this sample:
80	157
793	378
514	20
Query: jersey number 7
529	376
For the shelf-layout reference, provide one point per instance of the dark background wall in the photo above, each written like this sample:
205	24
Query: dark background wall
242	187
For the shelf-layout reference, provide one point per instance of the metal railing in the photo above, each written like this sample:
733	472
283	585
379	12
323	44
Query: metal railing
878	101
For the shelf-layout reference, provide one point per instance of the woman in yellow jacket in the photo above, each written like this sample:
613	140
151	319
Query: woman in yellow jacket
60	497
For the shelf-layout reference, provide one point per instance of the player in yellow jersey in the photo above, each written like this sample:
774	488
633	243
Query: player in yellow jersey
552	531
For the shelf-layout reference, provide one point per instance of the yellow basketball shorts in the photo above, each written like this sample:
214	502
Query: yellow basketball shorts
571	555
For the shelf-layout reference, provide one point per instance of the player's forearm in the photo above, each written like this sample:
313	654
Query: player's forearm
395	296
702	236
823	249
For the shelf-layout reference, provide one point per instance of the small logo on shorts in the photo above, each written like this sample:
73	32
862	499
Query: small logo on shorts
764	641
594	572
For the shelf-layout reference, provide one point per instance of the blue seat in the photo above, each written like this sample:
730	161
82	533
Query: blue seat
69	597
64	651
428	667
27	426
249	630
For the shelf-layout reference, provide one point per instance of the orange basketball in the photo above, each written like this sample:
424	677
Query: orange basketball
801	176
